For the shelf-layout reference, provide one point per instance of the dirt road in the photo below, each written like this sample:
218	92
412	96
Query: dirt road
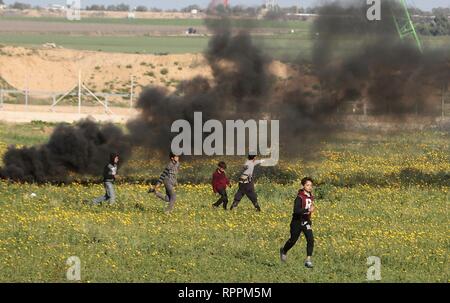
24	114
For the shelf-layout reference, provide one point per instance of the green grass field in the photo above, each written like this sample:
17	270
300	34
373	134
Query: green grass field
242	23
298	45
286	47
378	194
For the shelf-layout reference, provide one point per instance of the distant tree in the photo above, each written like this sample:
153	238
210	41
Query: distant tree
220	10
155	10
312	10
290	10
441	11
1	2
423	29
439	26
189	8
118	8
20	5
141	8
417	11
237	10
252	11
122	7
275	14
95	7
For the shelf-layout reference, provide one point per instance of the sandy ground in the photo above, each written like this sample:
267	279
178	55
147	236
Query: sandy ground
57	69
50	70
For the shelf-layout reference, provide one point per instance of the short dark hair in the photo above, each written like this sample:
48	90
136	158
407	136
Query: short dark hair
251	157
306	179
171	155
113	156
222	165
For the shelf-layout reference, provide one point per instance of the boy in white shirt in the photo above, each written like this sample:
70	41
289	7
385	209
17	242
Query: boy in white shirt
246	185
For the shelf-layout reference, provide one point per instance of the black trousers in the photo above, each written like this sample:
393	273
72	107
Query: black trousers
298	227
246	189
223	198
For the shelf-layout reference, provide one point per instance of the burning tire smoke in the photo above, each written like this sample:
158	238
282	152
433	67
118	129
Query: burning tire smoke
82	149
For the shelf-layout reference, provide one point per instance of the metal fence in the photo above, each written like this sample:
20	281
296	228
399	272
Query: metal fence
80	92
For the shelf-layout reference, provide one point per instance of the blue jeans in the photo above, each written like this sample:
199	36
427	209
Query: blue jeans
110	194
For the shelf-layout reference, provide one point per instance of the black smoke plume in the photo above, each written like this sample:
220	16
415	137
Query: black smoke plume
81	149
355	59
393	76
239	87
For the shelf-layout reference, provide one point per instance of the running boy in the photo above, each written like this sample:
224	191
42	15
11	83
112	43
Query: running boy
301	222
109	176
219	184
169	179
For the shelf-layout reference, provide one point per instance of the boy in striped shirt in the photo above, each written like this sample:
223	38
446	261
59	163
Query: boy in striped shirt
169	179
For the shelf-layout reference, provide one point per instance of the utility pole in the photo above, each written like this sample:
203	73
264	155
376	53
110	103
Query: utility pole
131	92
405	26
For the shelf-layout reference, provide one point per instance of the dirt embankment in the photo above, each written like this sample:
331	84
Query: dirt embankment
56	69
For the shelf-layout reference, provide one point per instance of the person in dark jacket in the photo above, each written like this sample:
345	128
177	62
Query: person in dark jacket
219	185
109	177
169	178
301	222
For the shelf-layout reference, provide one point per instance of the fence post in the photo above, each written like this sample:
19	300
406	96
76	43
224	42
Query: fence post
443	103
79	92
26	98
106	104
131	92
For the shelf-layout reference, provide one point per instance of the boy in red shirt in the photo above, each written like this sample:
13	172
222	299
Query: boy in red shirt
219	184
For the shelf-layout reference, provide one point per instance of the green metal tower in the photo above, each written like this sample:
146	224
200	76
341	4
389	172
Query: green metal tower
405	26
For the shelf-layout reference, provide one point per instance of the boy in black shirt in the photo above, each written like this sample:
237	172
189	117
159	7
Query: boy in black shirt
109	176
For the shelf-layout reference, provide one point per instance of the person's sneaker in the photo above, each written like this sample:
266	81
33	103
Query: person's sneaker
258	209
151	190
309	264
215	205
283	256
